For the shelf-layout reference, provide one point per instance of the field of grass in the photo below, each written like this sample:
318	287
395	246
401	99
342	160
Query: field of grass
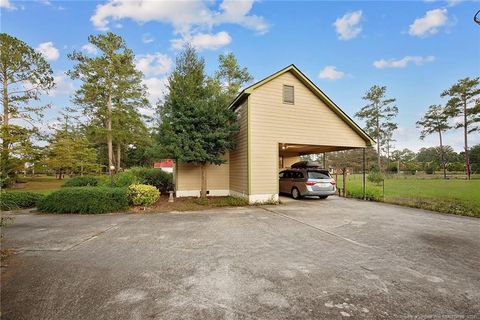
41	184
450	196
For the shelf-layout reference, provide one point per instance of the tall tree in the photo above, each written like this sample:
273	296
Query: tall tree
110	82
378	115
69	152
464	101
387	139
435	121
231	75
197	126
25	76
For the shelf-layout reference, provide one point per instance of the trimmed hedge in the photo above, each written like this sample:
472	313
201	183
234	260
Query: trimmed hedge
154	177
19	200
85	200
122	179
81	182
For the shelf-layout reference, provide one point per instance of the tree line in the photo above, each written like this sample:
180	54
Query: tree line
106	128
462	108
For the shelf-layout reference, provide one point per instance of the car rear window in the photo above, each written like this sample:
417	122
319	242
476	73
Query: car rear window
318	174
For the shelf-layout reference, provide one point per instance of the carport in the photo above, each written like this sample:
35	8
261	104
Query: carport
281	118
289	153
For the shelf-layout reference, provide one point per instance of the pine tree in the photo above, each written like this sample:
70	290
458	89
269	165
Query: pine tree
110	83
435	121
379	114
464	101
25	76
197	127
231	75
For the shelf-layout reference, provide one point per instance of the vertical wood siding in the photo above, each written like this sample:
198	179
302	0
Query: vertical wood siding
239	156
189	176
307	121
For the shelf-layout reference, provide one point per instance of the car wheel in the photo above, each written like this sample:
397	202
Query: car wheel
296	194
323	197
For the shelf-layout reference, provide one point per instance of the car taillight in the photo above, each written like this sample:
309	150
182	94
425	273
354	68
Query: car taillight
333	183
310	183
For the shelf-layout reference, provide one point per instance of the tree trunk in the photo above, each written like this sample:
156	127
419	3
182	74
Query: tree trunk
5	129
203	191
109	134
378	145
465	133
119	152
444	165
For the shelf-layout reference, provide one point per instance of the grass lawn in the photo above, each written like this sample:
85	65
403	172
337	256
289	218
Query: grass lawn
451	196
41	184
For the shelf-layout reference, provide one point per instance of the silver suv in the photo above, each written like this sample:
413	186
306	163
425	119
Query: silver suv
307	181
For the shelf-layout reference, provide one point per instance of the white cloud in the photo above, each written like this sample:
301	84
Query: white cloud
234	11
331	73
182	15
348	26
193	21
429	24
402	63
48	50
63	87
147	38
6	4
90	48
156	87
203	41
153	64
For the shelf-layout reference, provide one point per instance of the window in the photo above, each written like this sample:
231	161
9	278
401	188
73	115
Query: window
298	175
318	175
281	174
288	95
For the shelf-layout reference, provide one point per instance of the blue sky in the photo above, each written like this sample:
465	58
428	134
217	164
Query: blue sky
415	48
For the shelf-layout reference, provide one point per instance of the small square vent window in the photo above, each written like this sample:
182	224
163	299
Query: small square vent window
288	95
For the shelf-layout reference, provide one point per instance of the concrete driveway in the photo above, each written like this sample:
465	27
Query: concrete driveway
310	259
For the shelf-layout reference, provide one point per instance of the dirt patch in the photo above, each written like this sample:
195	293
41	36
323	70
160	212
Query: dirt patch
190	204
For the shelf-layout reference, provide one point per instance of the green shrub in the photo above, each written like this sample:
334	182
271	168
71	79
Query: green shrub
154	177
85	200
122	179
19	200
375	177
21	179
81	182
143	195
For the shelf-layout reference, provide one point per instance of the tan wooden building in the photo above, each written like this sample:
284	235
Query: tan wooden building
281	118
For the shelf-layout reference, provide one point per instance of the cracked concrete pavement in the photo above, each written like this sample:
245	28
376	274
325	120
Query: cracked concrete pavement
311	259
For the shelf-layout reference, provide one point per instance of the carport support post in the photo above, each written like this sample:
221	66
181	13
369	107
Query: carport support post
363	176
324	161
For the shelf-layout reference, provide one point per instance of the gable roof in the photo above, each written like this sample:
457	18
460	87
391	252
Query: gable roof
310	85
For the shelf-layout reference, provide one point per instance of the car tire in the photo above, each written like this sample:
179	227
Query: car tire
323	197
296	194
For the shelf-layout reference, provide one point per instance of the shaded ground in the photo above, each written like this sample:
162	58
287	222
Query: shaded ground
308	259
